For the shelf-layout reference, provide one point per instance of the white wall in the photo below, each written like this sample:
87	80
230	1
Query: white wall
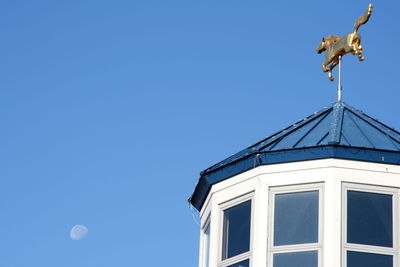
331	172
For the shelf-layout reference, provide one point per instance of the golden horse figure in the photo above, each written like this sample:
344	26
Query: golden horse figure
350	43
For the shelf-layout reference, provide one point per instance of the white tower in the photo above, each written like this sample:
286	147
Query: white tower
324	192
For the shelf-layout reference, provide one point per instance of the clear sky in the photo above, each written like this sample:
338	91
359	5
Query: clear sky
110	109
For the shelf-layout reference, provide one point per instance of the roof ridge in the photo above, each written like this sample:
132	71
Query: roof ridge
335	129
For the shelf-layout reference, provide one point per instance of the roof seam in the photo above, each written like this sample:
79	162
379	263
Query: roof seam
377	128
312	128
319	142
358	127
312	118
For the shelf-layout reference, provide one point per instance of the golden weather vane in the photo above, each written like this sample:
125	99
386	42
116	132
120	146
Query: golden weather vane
336	47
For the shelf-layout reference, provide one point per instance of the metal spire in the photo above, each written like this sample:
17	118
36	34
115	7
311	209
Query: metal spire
339	84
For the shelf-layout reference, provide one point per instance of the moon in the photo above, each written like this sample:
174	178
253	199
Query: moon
78	232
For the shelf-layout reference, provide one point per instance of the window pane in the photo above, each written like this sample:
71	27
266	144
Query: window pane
296	218
369	218
240	264
296	259
361	259
236	231
206	245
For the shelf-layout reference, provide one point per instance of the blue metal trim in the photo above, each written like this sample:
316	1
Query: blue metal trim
336	125
285	156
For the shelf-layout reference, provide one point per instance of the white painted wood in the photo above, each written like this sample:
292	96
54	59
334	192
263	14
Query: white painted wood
260	242
330	172
332	239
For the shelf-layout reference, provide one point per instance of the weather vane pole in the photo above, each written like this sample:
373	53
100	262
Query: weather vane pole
339	83
336	47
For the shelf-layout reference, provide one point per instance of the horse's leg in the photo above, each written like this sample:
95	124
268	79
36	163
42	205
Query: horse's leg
334	63
357	49
360	57
328	60
331	78
355	46
354	50
326	63
330	68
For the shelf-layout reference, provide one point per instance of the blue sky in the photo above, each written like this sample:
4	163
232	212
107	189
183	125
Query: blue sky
110	109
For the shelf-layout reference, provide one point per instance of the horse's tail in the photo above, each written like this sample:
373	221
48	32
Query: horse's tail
363	19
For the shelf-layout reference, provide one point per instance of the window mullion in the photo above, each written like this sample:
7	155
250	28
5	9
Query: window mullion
372	249
302	247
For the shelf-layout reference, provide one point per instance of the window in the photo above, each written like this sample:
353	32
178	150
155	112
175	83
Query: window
206	243
370	226
295	226
236	233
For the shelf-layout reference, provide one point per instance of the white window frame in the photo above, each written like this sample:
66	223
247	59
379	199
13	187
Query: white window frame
205	250
224	206
297	247
394	251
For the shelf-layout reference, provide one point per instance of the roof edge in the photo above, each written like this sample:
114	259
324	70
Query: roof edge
256	159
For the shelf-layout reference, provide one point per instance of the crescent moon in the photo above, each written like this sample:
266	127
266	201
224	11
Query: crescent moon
78	232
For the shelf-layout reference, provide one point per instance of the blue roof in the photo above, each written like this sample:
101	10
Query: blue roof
336	131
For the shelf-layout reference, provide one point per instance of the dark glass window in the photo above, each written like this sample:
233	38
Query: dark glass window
296	259
240	264
361	259
369	218
236	230
296	218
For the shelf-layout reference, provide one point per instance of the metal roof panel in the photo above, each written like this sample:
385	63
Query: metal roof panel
336	131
